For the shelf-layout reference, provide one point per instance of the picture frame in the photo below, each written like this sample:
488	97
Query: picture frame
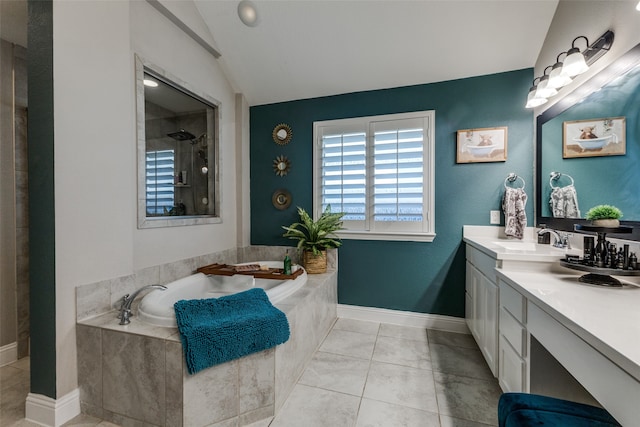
594	137
481	145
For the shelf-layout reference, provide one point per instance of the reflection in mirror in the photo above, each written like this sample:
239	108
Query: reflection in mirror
177	152
606	174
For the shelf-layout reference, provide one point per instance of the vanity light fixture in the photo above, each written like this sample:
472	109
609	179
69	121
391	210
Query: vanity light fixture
562	73
533	100
150	83
556	78
544	89
575	62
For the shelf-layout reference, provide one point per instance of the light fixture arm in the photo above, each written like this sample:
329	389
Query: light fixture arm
573	43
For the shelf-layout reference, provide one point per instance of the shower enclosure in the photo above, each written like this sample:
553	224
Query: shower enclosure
178	146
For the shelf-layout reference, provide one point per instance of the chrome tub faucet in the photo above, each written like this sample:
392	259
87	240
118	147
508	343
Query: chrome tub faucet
127	300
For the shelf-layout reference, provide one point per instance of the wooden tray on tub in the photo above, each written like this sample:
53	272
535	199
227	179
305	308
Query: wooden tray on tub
249	270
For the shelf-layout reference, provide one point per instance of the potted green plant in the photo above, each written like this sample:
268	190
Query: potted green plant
604	216
315	237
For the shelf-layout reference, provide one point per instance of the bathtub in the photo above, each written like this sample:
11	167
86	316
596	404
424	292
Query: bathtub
156	308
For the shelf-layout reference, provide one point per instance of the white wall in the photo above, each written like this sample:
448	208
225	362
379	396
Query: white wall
590	19
95	150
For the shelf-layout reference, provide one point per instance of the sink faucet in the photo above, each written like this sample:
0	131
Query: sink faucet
125	306
560	240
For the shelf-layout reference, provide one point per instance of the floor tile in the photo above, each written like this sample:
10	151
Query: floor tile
402	352
401	385
468	398
10	376
315	407
83	420
406	332
354	325
381	414
466	362
336	372
451	338
446	421
349	343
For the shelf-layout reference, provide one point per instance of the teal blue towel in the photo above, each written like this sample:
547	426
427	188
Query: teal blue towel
217	330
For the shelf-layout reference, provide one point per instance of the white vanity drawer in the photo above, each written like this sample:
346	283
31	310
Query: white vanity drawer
513	332
483	262
513	302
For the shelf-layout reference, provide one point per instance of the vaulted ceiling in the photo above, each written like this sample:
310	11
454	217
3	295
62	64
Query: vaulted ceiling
309	48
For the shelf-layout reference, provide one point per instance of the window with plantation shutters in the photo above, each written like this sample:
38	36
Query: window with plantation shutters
379	172
160	167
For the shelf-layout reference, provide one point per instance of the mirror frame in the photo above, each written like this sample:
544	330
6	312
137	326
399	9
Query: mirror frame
142	67
620	66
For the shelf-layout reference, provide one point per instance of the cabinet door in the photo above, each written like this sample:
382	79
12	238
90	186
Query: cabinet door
489	314
472	311
512	369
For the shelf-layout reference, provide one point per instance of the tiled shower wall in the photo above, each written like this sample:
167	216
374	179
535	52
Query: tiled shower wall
14	256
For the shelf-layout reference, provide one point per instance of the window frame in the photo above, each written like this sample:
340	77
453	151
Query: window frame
427	232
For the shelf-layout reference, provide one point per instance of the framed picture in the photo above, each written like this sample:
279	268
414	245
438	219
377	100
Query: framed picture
481	145
594	137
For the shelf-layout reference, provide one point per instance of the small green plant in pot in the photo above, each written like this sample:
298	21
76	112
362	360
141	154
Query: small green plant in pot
315	237
604	216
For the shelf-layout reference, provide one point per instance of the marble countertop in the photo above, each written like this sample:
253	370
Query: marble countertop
493	242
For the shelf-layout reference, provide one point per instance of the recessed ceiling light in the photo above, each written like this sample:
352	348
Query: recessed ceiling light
150	83
248	13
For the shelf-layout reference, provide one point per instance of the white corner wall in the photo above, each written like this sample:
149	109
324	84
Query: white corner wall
590	19
95	150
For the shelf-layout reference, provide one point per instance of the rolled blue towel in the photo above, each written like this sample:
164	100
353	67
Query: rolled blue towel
217	330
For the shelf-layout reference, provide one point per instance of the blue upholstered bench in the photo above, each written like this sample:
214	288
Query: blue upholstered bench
526	410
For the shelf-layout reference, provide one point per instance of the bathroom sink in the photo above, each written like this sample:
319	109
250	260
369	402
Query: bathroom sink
514	245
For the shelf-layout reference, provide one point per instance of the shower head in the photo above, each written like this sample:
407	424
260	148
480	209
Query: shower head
182	135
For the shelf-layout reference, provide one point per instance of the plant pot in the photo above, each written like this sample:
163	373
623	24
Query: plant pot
315	264
609	223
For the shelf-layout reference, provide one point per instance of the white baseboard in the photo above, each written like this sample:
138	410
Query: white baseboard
8	353
50	412
404	318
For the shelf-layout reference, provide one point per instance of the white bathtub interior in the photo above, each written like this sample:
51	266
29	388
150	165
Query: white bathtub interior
156	308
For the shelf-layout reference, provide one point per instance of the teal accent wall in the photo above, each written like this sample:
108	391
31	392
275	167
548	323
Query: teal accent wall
411	276
41	199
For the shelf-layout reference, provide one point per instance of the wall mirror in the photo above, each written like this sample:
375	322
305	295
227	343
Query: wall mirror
598	178
177	151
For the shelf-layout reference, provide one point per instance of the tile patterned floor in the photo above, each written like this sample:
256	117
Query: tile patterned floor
365	374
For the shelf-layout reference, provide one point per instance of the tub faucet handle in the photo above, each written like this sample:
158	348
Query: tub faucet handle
127	300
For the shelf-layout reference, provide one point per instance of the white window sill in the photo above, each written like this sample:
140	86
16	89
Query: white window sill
398	236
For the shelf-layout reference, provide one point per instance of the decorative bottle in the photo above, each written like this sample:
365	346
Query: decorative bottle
287	264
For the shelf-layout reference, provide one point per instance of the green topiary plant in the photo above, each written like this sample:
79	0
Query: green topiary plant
603	212
316	236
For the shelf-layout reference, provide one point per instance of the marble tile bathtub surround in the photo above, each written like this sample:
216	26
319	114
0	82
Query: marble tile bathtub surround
136	375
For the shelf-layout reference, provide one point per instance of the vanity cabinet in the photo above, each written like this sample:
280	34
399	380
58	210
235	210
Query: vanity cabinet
513	340
481	298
